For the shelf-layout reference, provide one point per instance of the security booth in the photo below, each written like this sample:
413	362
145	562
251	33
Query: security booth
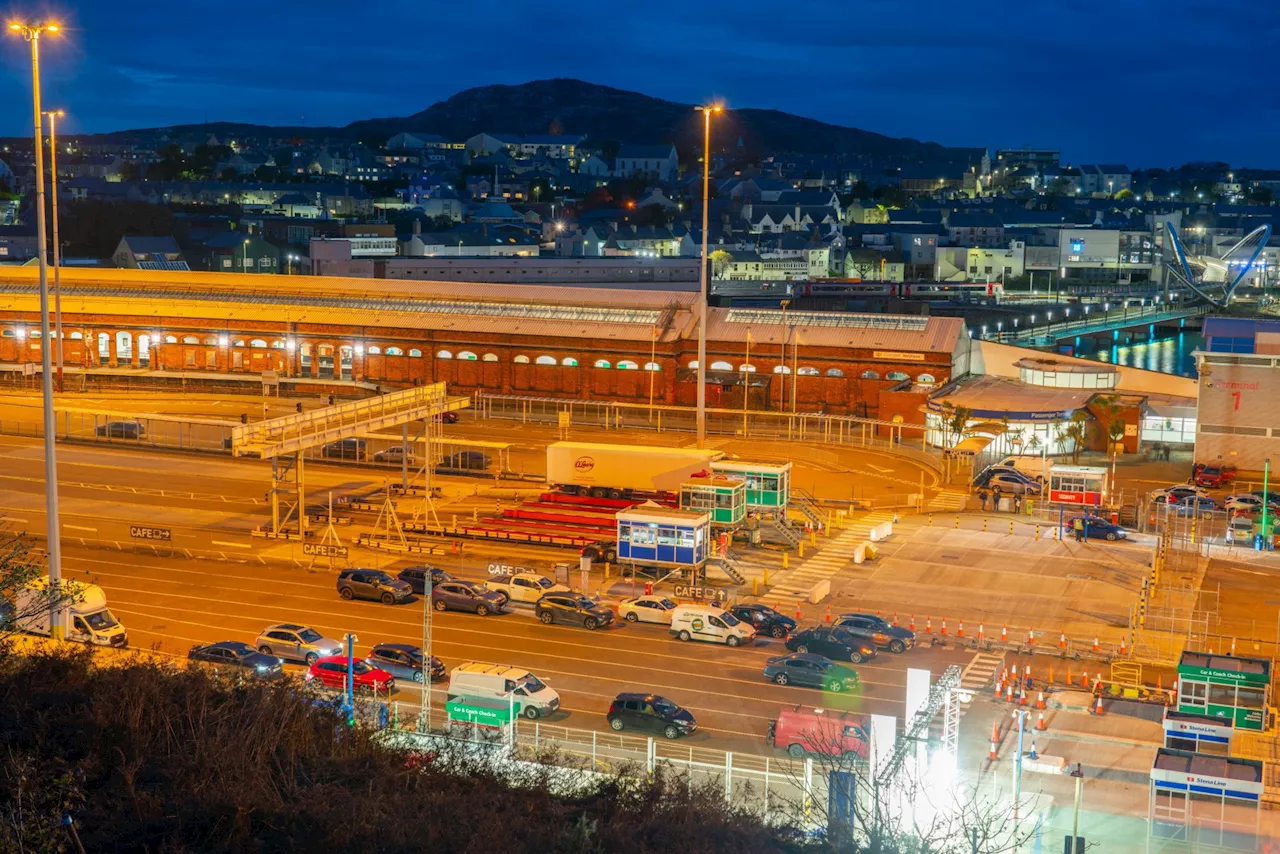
725	498
1081	486
1226	687
768	484
1196	733
1205	800
652	534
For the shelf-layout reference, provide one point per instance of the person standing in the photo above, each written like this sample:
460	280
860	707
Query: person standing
995	500
1077	525
982	498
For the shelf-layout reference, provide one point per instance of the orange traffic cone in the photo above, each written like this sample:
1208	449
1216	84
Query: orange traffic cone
828	616
944	627
960	631
1098	711
1004	634
993	754
1040	700
895	620
912	625
928	625
1040	722
1095	645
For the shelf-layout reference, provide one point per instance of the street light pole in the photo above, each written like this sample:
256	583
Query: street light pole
1266	498
32	33
1076	843
782	359
54	115
707	110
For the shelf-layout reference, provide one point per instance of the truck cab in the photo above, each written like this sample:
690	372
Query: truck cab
84	612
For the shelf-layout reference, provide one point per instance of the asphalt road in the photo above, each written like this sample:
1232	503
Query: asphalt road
171	604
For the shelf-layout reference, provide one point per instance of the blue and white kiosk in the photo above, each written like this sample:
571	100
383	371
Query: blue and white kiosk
653	535
1197	733
1205	800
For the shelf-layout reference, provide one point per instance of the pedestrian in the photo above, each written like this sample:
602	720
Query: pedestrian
1017	503
1077	525
995	500
1231	535
982	498
1167	451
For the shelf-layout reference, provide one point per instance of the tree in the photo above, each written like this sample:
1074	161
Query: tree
720	259
1125	195
20	568
1076	431
959	421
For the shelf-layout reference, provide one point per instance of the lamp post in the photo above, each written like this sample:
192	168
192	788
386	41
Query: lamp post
1266	498
782	359
244	258
54	115
1077	844
707	110
32	33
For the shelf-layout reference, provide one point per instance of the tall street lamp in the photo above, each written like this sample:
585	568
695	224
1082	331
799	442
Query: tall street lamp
54	115
707	110
32	32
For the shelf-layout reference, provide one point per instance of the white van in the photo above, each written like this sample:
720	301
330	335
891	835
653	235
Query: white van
709	623
83	610
532	697
1033	466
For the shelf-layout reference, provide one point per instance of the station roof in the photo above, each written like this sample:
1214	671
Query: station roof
1001	397
898	333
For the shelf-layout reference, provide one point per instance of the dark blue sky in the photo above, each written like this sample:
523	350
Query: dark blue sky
1135	81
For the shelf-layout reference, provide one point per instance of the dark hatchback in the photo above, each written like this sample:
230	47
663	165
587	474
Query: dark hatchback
404	661
416	577
764	619
875	630
239	658
651	713
465	596
833	643
573	609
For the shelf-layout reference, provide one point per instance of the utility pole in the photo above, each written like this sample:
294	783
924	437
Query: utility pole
702	273
54	115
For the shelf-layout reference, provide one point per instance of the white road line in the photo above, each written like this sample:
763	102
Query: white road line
14	519
79	528
231	545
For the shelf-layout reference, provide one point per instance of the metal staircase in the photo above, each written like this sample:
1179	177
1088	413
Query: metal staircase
803	502
728	565
783	526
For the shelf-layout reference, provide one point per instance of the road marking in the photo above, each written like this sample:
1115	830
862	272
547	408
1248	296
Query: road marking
229	544
879	468
79	528
15	519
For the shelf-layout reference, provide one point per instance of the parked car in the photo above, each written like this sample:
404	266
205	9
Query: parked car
122	430
1247	502
802	730
526	587
652	713
984	477
1097	527
372	584
331	672
344	449
602	551
1176	492
471	460
394	454
810	670
1013	484
239	658
416	577
647	609
709	623
876	631
764	619
834	643
404	661
1033	466
449	417
465	596
1212	477
296	643
1194	505
572	608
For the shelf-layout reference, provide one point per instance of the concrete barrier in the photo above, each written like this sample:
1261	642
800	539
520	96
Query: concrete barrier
1045	764
882	531
819	591
860	553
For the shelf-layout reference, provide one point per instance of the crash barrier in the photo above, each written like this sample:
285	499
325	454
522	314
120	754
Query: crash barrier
880	532
819	591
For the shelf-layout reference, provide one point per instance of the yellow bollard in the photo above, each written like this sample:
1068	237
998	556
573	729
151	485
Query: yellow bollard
786	560
475	514
606	569
1011	527
1037	532
931	520
800	550
813	538
766	569
957	522
984	524
755	587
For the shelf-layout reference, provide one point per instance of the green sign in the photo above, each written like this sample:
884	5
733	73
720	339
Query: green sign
483	715
1238	717
1222	677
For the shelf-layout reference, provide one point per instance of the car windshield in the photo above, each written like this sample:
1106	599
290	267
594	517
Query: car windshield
584	602
101	620
545	583
309	635
531	684
666	603
826	664
360	667
666	708
729	619
381	577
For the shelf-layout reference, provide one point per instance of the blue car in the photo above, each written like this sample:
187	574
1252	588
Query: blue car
1195	505
1095	527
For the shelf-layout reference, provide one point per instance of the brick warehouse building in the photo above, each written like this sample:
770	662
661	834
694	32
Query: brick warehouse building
575	341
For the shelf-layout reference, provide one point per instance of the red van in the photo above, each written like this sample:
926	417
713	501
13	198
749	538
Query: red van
803	730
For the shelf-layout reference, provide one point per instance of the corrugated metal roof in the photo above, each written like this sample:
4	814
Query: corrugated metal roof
938	335
989	396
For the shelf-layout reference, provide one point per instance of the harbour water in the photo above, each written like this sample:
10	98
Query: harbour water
1168	355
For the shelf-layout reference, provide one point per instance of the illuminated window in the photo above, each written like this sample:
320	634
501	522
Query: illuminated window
545	360
652	366
693	366
190	339
521	360
749	369
627	366
807	372
866	375
898	376
415	353
257	342
394	351
721	366
781	369
467	355
569	362
489	357
603	363
834	372
211	342
169	339
374	350
926	379
443	354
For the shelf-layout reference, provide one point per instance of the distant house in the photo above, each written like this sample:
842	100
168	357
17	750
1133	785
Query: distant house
655	162
296	205
104	166
149	253
558	146
415	141
246	163
234	252
595	166
975	229
1105	178
17	243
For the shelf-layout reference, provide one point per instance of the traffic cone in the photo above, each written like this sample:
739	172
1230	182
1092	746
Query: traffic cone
1095	645
944	627
993	754
1062	640
999	688
979	632
960	631
1098	711
828	616
1084	679
799	617
928	625
1033	754
1040	722
1122	649
1022	696
1098	681
1008	695
1004	634
895	620
1031	637
912	625
1040	700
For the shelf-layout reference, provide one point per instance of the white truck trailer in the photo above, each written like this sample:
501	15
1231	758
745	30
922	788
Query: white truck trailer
621	471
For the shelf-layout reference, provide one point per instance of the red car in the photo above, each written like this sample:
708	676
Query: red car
331	672
1212	477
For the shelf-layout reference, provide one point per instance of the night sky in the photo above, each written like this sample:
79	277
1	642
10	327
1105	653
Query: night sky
1141	82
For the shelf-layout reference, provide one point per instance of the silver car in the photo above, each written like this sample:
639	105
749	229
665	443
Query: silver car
296	643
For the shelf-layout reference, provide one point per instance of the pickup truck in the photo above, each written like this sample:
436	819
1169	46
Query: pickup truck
526	587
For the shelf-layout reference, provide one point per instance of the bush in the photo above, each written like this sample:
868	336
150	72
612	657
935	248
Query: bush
149	757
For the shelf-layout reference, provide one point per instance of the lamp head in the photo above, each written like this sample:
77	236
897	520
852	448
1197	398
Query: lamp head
15	26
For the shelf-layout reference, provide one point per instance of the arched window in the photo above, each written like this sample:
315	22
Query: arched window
211	342
489	357
521	360
603	363
627	365
652	366
569	362
467	355
257	342
834	372
239	342
415	353
443	354
721	366
394	351
781	369
7	333
374	350
926	379
545	360
807	372
747	369
190	339
693	366
169	339
870	375
277	345
898	376
74	336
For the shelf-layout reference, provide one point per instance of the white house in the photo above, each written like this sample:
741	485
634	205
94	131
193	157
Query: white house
656	162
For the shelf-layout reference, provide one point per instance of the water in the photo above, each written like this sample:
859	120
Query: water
1168	355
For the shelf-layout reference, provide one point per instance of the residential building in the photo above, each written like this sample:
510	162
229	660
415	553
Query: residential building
559	147
1105	179
18	243
595	166
149	253
297	205
1036	158
236	252
654	162
975	229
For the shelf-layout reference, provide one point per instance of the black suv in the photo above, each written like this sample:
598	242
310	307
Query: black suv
836	644
765	620
372	584
344	449
572	608
416	577
875	630
650	712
